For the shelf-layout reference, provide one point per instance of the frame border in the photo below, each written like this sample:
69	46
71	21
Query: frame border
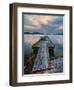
13	44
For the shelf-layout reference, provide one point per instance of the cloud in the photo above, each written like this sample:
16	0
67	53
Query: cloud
29	26
37	21
45	24
60	27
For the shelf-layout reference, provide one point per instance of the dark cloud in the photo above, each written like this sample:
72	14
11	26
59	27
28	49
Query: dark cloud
53	27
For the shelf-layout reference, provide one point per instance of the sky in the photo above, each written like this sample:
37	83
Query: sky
43	24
